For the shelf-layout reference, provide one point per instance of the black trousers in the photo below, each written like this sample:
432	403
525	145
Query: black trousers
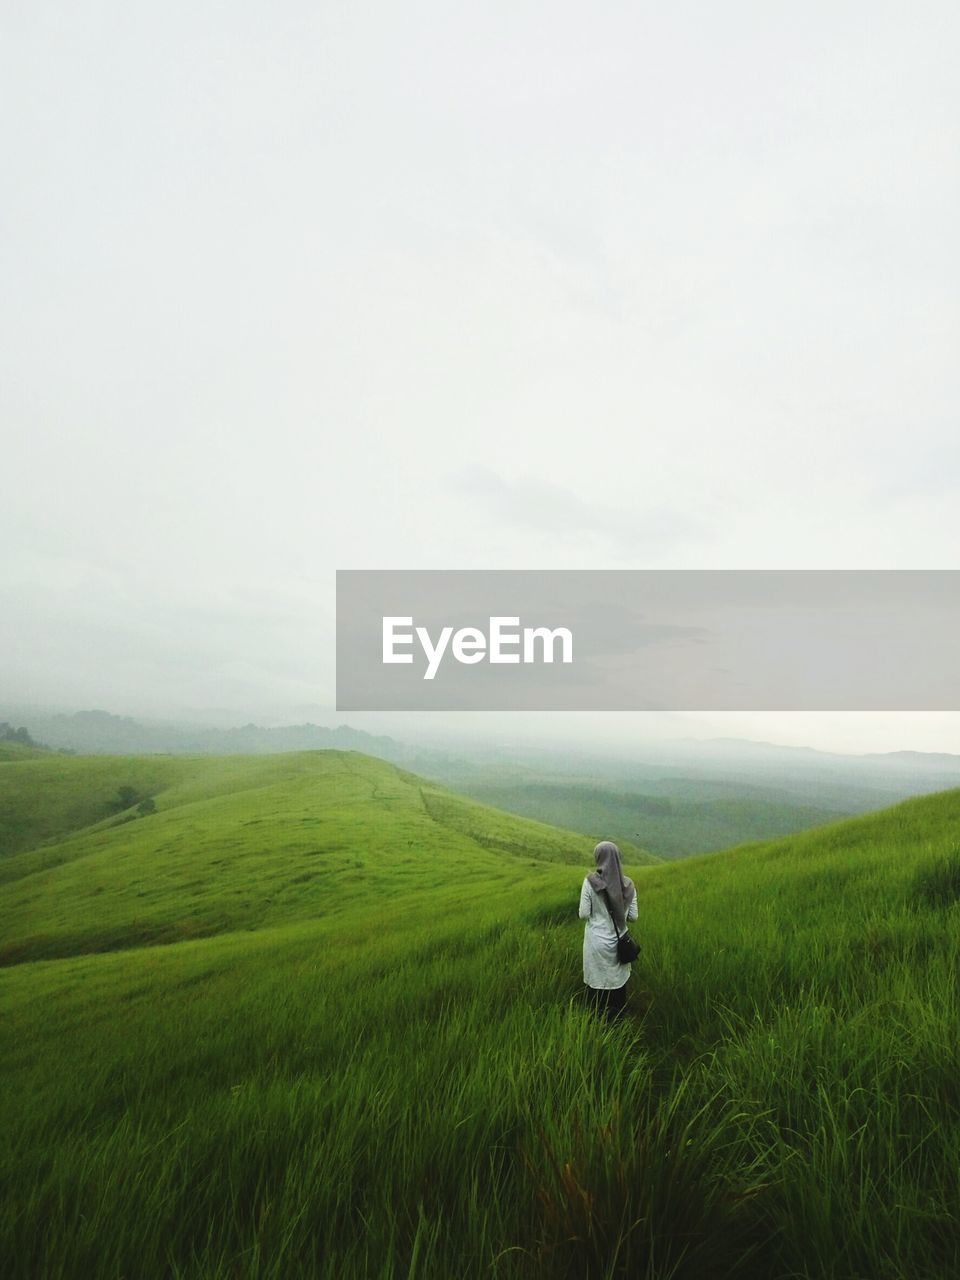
608	1003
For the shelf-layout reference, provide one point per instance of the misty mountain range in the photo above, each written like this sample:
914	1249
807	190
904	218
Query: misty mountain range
675	797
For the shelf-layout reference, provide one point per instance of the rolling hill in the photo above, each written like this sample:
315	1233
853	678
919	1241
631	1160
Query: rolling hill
360	1050
671	826
235	842
673	797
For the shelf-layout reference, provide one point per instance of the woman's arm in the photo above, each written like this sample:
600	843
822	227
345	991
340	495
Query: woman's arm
632	909
585	902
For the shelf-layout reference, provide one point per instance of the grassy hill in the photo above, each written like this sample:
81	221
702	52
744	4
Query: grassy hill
672	826
20	751
366	1054
236	842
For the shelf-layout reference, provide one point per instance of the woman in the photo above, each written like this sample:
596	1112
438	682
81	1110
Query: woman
606	892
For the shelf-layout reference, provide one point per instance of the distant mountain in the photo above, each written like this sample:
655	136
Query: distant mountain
759	751
906	772
919	759
100	732
683	796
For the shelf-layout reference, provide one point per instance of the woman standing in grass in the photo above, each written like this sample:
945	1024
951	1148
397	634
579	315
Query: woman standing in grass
608	899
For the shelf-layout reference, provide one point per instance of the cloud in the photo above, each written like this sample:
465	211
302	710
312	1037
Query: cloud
548	507
909	471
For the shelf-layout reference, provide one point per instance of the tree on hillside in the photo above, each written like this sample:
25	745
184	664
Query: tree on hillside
9	734
127	797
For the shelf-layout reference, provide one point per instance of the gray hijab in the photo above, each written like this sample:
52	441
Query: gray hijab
609	876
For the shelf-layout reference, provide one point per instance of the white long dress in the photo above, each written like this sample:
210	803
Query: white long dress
601	967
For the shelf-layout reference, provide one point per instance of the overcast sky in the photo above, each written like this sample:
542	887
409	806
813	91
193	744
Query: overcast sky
295	287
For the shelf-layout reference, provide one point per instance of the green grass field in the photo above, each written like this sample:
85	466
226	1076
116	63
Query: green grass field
671	826
318	1017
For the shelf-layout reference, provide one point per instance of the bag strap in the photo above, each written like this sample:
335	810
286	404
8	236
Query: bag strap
612	917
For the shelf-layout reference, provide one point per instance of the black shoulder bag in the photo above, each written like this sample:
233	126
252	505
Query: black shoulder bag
627	949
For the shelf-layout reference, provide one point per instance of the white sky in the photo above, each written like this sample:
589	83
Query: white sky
296	287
